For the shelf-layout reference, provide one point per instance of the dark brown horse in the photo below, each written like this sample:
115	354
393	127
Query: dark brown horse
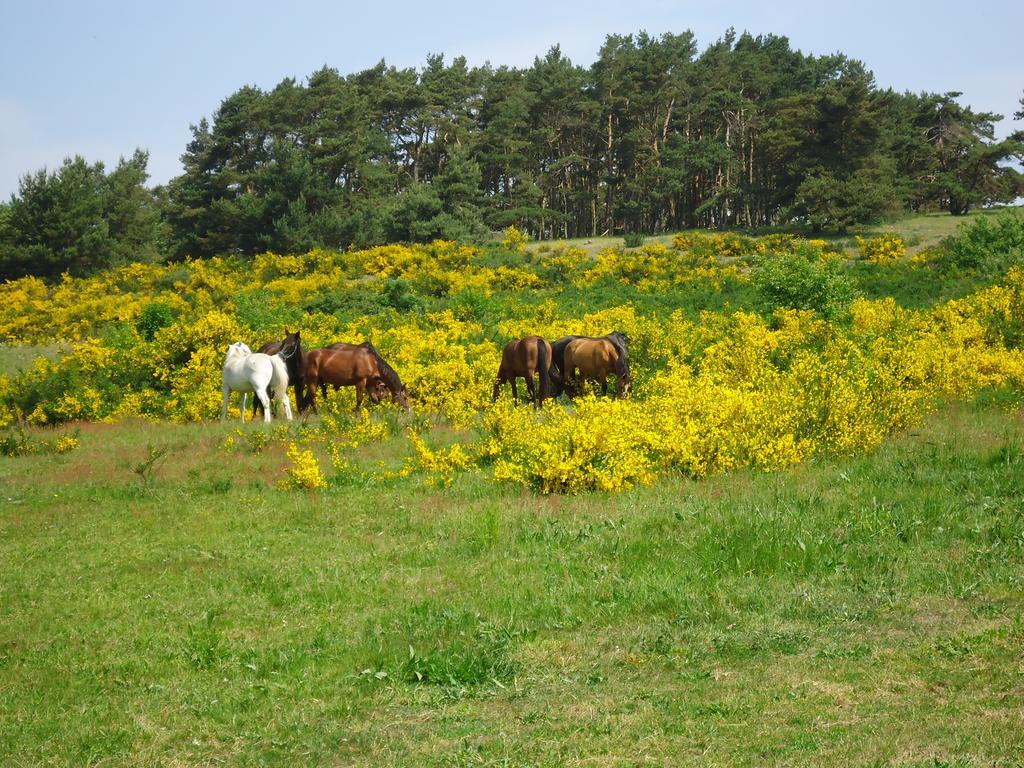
596	358
358	365
294	356
526	357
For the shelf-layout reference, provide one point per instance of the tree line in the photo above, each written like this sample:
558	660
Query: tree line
653	136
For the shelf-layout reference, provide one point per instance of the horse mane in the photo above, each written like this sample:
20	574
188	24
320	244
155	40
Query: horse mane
622	363
387	373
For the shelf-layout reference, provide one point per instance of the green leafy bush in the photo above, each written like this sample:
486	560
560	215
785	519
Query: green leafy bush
804	280
154	317
988	246
398	294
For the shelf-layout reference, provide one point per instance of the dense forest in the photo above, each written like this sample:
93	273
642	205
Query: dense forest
653	136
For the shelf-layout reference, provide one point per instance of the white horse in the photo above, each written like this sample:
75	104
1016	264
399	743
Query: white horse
246	371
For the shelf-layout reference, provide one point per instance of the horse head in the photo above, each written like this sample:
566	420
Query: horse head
238	349
292	343
624	383
401	396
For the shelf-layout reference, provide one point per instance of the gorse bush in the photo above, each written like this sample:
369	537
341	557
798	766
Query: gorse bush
883	249
17	441
714	391
515	240
304	472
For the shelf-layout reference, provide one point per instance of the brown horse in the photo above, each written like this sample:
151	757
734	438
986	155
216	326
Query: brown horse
376	389
597	359
618	339
525	357
294	356
358	365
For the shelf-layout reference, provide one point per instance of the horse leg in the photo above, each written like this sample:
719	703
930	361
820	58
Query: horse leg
604	385
497	387
261	394
245	395
286	403
224	409
531	387
515	394
360	388
311	395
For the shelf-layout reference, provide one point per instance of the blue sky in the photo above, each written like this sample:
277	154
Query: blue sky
102	78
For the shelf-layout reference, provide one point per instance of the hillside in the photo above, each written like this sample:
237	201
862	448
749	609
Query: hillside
798	540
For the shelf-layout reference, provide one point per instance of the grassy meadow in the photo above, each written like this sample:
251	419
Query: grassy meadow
170	597
863	611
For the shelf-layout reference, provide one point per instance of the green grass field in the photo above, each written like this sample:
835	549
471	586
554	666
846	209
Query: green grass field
864	611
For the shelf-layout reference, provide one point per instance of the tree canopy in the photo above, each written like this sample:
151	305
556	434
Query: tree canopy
80	218
654	135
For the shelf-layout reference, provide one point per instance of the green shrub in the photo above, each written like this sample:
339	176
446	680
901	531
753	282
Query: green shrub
804	280
398	294
633	239
258	309
154	317
471	304
987	246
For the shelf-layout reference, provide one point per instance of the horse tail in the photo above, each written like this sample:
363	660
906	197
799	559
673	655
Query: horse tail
542	361
558	361
279	376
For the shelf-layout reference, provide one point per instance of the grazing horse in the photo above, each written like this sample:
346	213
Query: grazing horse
358	365
294	356
247	371
620	340
597	359
525	357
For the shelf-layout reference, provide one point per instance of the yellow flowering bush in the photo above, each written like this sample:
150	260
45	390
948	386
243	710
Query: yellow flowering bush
65	443
441	464
883	249
17	441
304	472
724	390
515	240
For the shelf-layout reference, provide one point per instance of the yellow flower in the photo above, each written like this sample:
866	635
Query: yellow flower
304	473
